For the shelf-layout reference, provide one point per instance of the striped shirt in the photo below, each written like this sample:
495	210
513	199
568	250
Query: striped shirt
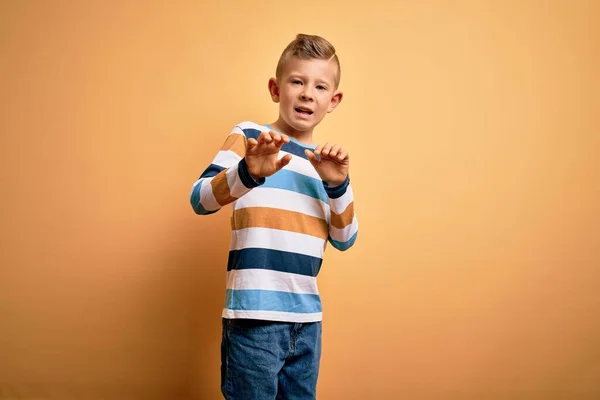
280	226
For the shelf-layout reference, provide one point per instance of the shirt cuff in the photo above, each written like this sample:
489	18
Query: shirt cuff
337	191
248	180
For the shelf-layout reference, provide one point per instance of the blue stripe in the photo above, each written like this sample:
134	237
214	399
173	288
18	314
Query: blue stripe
195	201
296	182
343	245
274	260
293	147
271	300
212	170
291	180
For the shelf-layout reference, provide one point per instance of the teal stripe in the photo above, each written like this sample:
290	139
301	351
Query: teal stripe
343	245
299	183
271	300
195	201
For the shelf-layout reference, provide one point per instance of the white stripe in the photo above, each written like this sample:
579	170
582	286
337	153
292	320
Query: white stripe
344	234
265	279
266	238
251	125
226	158
194	186
273	315
284	200
232	176
236	188
207	197
340	204
300	165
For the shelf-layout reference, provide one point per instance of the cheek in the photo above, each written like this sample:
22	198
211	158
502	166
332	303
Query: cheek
324	106
286	97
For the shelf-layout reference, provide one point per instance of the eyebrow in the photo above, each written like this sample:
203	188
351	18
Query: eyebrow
324	81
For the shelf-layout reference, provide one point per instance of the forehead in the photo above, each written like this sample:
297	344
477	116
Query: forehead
313	68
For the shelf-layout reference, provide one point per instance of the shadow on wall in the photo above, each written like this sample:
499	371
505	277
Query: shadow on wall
147	327
192	288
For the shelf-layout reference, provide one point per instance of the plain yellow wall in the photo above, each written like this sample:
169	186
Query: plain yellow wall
474	136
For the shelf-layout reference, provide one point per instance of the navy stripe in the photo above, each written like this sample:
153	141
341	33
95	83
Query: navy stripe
295	149
271	300
291	147
274	260
247	179
212	170
251	133
337	191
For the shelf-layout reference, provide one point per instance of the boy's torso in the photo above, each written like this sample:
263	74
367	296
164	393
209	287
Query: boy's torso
279	234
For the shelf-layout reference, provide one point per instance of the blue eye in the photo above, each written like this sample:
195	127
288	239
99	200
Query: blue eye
321	87
296	82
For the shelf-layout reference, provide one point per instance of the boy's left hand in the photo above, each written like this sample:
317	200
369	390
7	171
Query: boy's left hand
333	165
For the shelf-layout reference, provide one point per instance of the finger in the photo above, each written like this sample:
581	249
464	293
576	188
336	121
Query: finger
252	143
283	139
343	156
335	150
283	161
264	137
311	157
261	138
326	149
318	150
275	136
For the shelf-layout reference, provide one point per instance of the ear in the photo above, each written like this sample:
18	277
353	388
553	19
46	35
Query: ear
335	101
274	90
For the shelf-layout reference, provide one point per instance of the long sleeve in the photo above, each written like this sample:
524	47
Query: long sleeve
226	179
343	227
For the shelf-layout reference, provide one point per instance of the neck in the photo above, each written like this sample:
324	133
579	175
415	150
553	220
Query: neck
304	137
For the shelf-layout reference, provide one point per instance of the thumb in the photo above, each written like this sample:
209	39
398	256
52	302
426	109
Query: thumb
312	158
283	161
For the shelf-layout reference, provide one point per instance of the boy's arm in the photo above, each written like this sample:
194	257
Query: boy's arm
332	163
228	177
343	226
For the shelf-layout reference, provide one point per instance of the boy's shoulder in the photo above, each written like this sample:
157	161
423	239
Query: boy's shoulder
249	127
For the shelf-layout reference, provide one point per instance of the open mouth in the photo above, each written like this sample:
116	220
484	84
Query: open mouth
303	110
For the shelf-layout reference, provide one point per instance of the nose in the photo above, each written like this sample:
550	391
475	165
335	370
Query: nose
306	94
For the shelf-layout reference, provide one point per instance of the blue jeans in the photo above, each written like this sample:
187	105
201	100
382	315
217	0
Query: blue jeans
266	360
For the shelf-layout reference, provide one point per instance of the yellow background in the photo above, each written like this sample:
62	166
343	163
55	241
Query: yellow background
474	136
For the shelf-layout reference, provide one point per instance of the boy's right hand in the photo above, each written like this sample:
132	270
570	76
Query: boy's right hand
261	154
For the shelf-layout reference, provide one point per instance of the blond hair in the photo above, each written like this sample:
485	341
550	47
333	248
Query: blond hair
308	47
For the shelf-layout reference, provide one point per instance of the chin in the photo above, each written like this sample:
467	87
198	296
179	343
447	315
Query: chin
302	125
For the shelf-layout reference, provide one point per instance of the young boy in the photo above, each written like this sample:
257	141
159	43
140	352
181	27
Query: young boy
290	198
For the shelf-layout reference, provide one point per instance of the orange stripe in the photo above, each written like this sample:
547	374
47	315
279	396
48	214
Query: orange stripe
236	143
220	188
344	219
263	217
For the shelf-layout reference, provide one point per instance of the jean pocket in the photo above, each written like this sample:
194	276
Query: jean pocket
247	324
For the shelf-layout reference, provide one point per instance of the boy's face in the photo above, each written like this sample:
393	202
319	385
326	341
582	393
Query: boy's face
305	92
